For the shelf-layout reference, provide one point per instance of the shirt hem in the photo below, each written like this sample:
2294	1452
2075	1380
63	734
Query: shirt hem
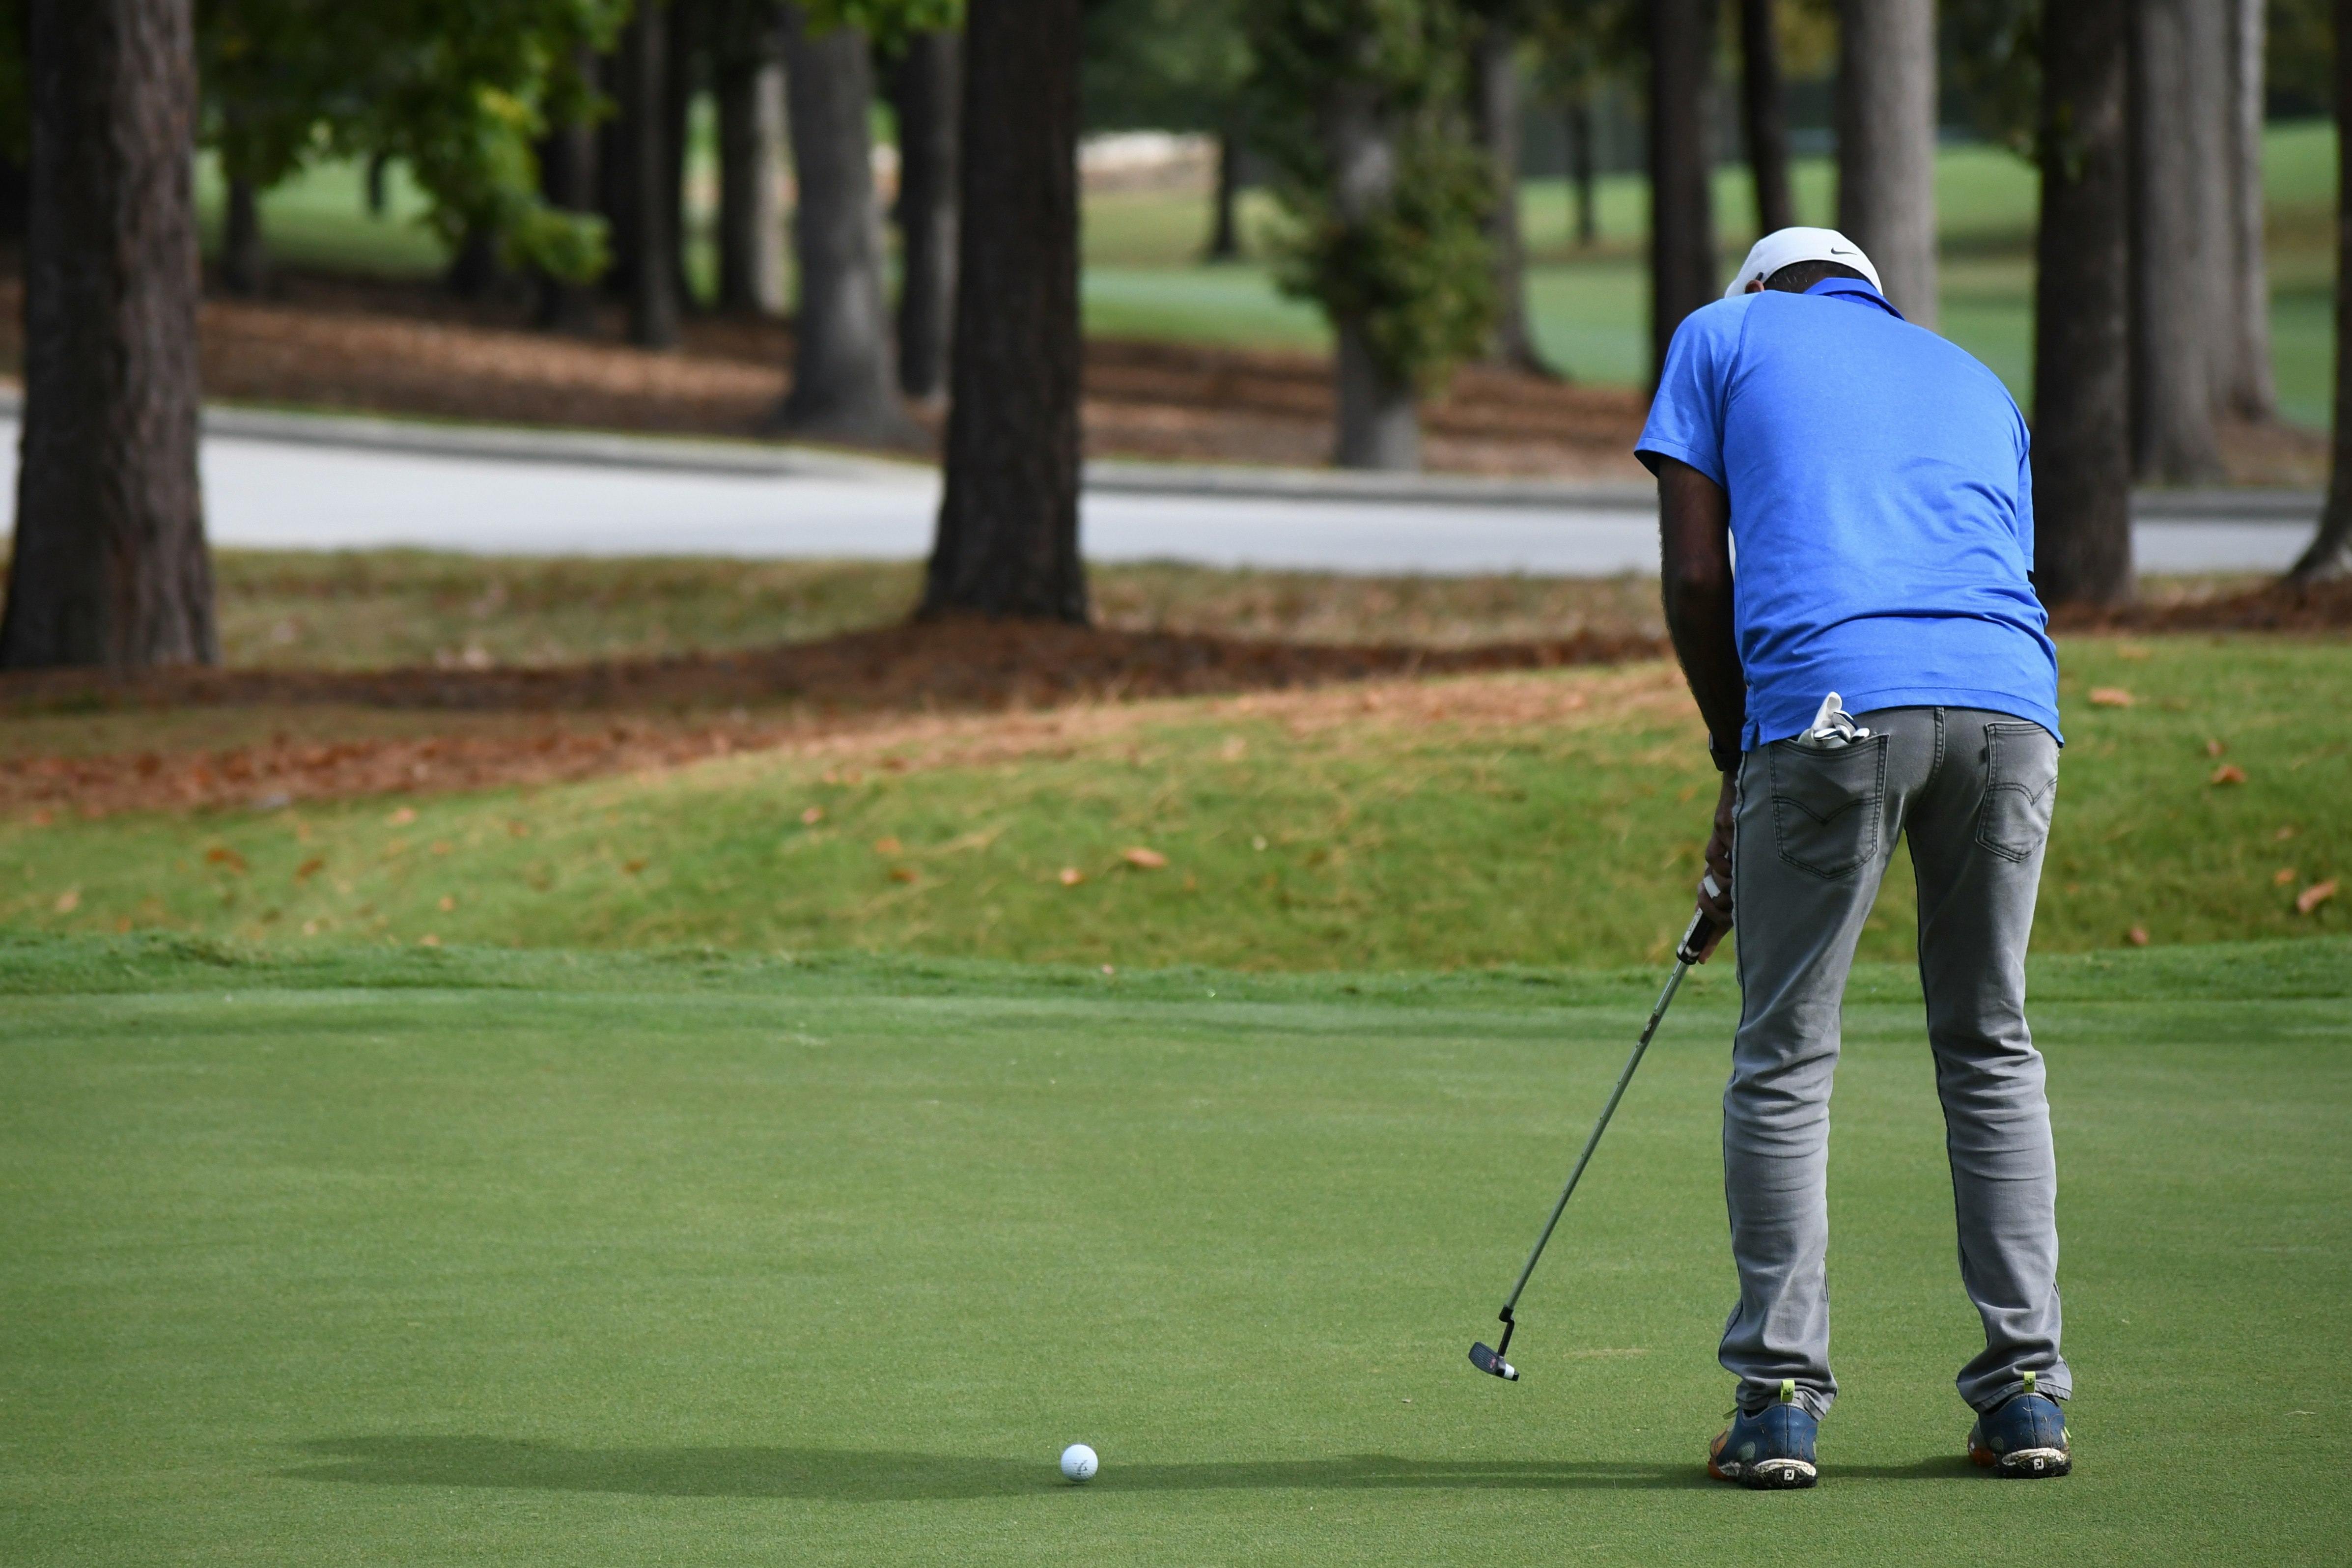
1923	696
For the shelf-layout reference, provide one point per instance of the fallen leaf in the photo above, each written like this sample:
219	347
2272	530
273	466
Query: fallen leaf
428	940
2314	896
887	846
2214	748
70	900
1072	875
2131	651
634	867
2284	879
1144	859
812	817
1108	969
1234	749
519	829
2228	773
403	817
310	868
441	847
448	902
901	874
42	818
2110	696
2283	834
2136	936
222	855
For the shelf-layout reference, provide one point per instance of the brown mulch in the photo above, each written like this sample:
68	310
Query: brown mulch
2323	606
663	712
393	347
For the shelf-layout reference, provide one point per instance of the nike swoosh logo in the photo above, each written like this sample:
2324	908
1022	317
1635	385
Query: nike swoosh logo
1835	251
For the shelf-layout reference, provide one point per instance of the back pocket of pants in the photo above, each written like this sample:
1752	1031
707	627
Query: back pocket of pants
1826	803
2021	788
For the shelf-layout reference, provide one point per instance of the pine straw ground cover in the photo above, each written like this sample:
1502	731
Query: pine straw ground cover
1529	817
475	1257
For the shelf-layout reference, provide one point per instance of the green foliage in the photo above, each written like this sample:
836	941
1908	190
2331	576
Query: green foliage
888	22
2302	56
1409	263
1992	53
1168	65
458	90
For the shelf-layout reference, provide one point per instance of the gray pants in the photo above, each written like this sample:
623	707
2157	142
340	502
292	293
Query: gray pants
1816	827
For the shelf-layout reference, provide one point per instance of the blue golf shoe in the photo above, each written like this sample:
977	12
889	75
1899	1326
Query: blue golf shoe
2025	1438
1770	1450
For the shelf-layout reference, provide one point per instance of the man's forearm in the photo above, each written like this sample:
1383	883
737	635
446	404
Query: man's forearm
1699	620
1695	570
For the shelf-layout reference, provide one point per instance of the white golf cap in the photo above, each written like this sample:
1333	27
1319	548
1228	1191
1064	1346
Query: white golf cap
1786	247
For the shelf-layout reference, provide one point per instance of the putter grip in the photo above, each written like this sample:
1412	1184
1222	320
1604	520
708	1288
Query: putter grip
1702	928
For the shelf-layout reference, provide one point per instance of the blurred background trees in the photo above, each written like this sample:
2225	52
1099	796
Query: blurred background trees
610	160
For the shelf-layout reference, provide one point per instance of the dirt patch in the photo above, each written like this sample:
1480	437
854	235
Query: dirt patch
2271	607
590	720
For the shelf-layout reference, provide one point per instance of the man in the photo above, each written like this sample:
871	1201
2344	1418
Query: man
1875	480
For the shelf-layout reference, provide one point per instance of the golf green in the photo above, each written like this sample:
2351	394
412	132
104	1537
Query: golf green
474	1257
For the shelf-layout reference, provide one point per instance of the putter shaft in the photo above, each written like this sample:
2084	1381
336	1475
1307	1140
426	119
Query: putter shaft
1686	954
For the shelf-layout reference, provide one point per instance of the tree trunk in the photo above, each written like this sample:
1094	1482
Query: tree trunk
2331	550
567	178
245	259
1682	211
475	270
1378	416
1379	420
751	213
2249	388
110	564
1886	145
2082	310
1580	168
1008	538
1495	117
2174	258
1224	231
843	385
1767	117
378	164
927	89
681	36
646	188
616	170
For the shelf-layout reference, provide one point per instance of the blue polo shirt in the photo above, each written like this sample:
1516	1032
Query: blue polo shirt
1882	507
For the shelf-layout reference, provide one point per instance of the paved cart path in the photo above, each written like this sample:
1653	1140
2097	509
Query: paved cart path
294	482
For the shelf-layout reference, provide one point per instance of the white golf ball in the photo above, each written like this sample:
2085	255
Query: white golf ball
1078	1462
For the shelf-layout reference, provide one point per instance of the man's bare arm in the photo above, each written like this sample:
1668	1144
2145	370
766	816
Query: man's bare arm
1695	575
1694	571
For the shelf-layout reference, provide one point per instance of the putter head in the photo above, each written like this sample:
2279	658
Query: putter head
1488	1361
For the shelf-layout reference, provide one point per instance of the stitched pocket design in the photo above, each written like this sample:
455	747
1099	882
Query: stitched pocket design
1826	803
2021	789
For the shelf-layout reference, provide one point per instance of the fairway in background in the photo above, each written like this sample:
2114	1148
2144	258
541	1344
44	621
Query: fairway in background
826	1267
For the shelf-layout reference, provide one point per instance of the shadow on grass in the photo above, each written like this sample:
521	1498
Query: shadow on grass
852	1476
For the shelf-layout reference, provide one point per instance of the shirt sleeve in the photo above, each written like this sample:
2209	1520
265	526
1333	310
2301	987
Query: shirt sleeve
1687	414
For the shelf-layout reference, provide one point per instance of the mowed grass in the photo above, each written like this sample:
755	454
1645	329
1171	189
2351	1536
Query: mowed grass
480	1258
1525	819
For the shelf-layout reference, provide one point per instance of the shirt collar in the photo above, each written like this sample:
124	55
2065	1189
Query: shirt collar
1855	289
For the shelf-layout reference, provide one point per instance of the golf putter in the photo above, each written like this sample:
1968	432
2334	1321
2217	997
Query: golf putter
1694	938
